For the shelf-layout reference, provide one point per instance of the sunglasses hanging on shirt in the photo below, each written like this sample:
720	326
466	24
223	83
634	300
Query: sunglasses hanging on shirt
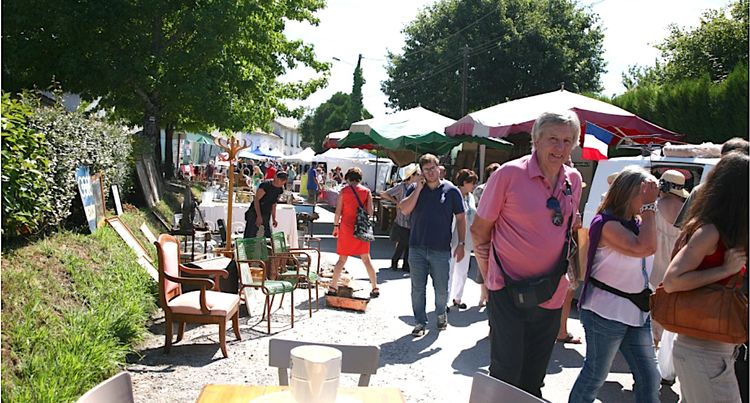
554	205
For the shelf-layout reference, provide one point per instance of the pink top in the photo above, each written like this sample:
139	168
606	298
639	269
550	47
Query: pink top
524	237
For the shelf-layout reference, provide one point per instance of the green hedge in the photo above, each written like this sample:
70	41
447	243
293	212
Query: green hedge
704	110
25	171
72	308
43	147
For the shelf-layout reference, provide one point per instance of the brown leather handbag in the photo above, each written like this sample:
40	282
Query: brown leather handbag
712	312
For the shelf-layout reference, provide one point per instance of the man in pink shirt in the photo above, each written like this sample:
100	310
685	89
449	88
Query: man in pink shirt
522	223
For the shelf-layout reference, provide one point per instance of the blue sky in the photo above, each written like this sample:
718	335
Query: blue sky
371	27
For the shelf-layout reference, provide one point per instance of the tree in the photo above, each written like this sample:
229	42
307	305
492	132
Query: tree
516	48
330	116
714	48
355	112
193	65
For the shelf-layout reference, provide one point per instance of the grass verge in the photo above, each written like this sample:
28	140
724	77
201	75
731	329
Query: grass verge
72	307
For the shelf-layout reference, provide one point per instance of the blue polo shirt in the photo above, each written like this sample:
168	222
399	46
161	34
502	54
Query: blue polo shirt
311	185
432	218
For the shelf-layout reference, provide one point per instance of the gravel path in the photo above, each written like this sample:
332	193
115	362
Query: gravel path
435	368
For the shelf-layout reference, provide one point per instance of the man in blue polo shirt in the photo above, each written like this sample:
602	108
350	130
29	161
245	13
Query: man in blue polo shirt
432	203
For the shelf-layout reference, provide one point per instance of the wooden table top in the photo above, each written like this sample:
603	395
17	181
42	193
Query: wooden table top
245	393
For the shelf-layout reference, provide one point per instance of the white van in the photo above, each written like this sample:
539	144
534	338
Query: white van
695	170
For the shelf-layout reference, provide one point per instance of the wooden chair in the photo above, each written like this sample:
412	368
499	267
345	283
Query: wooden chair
295	264
208	305
117	389
250	255
486	389
362	360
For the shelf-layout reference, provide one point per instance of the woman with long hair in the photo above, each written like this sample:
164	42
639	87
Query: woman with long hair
620	258
466	179
716	250
350	199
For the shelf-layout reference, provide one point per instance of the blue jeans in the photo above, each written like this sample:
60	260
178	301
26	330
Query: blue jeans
603	338
436	264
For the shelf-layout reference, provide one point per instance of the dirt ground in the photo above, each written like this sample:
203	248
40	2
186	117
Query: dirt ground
435	368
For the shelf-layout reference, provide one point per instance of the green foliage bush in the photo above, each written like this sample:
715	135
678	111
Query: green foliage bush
42	148
75	139
701	109
72	307
25	173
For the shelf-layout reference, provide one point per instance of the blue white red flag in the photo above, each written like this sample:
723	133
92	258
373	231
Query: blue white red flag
596	142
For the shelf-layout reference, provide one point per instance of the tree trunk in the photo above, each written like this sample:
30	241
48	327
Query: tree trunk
169	162
151	129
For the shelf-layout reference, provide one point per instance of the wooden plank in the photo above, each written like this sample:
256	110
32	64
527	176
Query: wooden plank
354	304
245	393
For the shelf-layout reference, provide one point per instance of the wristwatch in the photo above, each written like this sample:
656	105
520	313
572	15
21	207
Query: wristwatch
648	207
462	243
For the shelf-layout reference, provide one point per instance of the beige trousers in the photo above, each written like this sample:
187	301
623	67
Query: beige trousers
705	370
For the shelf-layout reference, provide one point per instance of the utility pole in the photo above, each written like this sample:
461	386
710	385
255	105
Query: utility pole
464	79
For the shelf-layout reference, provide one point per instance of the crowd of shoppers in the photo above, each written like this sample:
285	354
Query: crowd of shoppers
520	224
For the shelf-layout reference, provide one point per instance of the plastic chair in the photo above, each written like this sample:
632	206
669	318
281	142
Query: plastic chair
238	227
362	360
208	305
486	389
222	231
296	263
117	389
250	255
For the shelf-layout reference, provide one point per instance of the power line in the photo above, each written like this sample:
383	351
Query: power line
477	21
447	64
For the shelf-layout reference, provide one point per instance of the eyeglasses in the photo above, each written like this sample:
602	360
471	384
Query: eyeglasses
554	204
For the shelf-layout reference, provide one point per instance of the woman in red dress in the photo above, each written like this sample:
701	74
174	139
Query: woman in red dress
343	229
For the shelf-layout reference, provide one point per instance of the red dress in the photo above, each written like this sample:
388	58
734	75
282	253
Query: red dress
347	244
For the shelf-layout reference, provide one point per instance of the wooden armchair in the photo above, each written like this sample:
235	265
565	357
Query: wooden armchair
250	255
295	264
208	305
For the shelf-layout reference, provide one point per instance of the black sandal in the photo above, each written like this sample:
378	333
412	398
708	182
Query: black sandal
375	292
331	292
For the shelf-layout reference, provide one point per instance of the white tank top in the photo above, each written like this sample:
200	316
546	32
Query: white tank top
666	236
624	273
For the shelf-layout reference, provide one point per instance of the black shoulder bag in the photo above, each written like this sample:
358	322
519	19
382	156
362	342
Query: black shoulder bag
362	225
529	293
639	299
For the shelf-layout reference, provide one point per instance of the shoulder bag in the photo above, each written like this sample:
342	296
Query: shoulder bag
529	293
712	312
362	224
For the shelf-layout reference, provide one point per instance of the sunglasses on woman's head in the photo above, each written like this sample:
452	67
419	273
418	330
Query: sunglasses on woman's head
554	204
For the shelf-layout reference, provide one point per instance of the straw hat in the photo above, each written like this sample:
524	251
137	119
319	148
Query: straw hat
673	181
410	170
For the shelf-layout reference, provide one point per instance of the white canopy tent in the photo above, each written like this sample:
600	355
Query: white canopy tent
305	156
354	157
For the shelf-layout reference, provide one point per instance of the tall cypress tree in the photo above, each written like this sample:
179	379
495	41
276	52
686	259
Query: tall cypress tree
355	109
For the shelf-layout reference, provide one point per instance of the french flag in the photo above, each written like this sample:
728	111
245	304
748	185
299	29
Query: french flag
596	142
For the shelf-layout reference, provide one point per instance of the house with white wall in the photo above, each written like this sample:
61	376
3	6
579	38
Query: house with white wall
288	130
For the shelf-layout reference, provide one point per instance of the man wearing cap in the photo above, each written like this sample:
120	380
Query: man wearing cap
263	210
521	234
400	229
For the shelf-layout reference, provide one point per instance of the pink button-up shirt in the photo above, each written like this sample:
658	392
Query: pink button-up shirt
524	237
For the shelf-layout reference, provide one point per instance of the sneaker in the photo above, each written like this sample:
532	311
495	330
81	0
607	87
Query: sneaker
442	322
418	330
